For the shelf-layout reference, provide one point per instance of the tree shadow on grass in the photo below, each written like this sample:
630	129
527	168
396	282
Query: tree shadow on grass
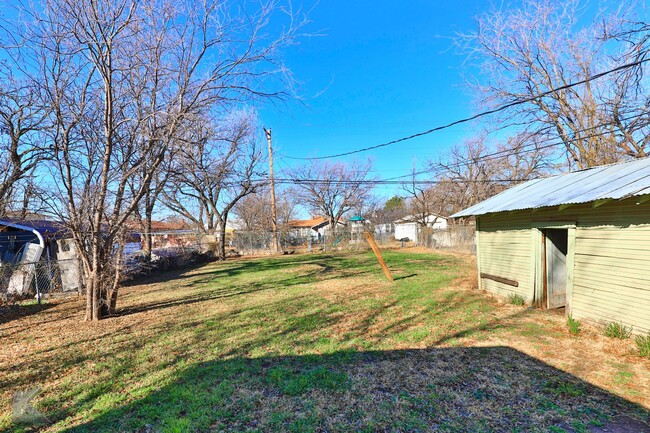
327	263
403	277
325	272
486	389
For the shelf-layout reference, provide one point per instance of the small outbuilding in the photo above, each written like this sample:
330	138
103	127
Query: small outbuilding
579	241
36	255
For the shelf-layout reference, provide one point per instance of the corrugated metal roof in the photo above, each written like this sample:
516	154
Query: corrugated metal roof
615	181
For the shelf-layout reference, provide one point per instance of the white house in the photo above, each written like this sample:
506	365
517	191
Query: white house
409	226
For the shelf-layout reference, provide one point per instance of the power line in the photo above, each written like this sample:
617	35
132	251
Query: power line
490	156
389	182
479	115
510	152
398	180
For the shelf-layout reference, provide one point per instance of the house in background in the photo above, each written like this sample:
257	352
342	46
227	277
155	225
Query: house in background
579	240
314	228
409	226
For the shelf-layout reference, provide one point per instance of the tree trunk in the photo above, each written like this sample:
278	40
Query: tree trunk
112	298
221	241
89	297
147	241
96	297
98	302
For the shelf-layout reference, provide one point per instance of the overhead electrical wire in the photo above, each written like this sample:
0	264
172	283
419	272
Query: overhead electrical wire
481	114
510	152
440	167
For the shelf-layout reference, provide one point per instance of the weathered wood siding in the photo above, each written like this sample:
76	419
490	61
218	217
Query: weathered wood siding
611	274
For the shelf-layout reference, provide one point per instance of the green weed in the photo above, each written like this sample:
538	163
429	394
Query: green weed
516	299
574	325
643	345
617	330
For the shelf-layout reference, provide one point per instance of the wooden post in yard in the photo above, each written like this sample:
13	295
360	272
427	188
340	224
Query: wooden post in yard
380	259
274	225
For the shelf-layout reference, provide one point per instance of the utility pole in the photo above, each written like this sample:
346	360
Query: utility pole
276	243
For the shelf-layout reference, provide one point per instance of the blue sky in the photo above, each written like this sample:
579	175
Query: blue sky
380	71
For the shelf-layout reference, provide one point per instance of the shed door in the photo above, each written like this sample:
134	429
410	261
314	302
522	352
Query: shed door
556	246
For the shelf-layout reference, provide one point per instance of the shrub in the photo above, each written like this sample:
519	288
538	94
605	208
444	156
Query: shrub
574	325
617	330
516	299
643	344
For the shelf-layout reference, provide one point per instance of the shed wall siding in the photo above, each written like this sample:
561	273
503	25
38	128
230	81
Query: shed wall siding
611	275
505	252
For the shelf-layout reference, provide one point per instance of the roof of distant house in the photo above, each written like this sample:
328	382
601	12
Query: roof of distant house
313	223
357	218
160	226
310	223
613	182
169	225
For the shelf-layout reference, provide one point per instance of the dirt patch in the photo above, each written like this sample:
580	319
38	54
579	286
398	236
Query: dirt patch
620	424
351	288
623	424
307	268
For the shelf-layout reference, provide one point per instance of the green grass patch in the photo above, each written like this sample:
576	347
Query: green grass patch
564	388
292	382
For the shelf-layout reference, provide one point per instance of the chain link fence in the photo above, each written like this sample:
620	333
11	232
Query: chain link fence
341	239
38	279
60	277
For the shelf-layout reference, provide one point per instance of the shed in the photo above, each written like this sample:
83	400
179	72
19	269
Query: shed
579	240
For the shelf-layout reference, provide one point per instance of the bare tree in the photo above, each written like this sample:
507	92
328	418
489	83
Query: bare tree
216	171
123	80
422	201
144	212
542	45
22	117
474	171
332	188
254	210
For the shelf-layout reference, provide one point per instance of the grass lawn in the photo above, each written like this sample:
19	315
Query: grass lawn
318	343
